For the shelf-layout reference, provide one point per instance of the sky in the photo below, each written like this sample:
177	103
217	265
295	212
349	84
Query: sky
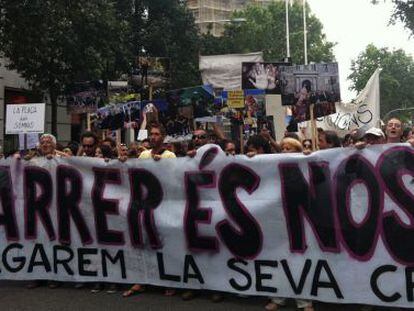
354	24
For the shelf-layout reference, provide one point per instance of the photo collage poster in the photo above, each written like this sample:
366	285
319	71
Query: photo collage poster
151	71
86	97
250	118
303	85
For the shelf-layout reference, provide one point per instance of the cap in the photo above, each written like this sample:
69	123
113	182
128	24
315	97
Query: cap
375	131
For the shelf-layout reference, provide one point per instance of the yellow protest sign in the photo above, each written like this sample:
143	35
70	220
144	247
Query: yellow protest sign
235	99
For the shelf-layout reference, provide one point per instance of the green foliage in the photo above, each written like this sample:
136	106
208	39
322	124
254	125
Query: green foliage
264	30
396	78
54	43
403	11
169	31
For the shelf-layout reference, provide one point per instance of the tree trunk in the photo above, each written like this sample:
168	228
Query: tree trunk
53	101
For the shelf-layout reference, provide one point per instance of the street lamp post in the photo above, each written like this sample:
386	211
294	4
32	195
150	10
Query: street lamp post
287	30
305	33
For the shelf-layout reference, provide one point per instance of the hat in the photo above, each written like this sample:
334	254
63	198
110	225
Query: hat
375	131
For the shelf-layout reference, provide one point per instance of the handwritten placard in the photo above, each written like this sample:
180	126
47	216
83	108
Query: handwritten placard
235	99
25	118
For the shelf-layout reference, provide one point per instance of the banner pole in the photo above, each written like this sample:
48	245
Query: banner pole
305	33
313	127
88	121
118	136
241	139
25	143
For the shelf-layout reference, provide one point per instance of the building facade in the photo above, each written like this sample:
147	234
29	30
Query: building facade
212	15
15	90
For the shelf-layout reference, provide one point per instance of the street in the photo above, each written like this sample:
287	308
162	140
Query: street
15	297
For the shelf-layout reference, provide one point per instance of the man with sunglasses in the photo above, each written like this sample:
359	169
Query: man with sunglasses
199	139
89	142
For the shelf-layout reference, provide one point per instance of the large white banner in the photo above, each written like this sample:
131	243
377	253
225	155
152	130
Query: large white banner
225	71
335	226
364	111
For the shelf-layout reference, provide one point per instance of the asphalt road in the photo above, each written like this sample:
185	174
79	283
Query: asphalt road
15	297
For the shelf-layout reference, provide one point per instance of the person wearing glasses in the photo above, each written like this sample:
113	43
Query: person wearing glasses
89	143
307	146
200	138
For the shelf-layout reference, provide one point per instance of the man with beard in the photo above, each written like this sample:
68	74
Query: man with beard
157	136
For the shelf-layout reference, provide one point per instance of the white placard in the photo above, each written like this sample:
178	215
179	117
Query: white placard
32	140
25	118
142	134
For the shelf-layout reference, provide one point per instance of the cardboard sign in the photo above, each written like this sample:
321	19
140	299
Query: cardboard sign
235	99
25	118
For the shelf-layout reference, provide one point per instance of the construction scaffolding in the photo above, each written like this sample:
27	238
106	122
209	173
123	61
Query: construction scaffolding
212	15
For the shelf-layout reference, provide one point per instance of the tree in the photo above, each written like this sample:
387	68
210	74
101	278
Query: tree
169	30
264	30
396	78
404	12
55	43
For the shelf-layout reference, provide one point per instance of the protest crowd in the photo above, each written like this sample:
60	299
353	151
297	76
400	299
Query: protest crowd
155	148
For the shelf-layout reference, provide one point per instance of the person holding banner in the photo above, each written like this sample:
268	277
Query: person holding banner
229	147
199	139
47	148
328	140
89	142
307	146
289	145
374	136
157	136
407	134
394	130
257	145
158	152
265	133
